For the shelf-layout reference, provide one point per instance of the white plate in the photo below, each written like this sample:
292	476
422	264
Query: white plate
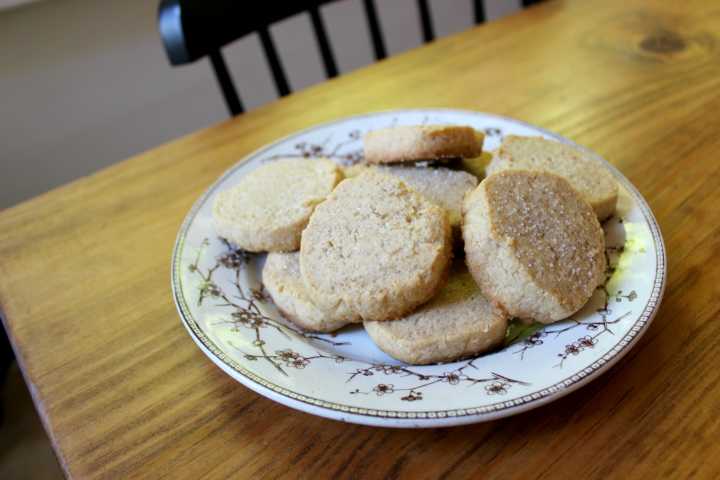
219	295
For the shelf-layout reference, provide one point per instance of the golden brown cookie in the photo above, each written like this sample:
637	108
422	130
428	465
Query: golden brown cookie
443	186
375	247
588	176
270	206
533	244
459	321
414	143
281	278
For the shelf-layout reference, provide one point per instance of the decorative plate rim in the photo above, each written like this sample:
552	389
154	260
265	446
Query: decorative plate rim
405	418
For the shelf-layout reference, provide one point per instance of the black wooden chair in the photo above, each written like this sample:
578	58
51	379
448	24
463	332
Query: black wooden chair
193	29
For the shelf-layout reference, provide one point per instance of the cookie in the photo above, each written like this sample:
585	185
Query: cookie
443	186
586	175
533	244
458	322
421	142
281	278
375	247
269	208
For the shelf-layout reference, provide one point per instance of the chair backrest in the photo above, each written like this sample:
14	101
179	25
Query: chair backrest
193	29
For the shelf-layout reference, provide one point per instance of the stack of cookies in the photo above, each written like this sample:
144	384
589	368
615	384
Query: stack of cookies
374	244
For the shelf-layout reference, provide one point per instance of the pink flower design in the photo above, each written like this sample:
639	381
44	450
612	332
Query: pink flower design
383	388
496	388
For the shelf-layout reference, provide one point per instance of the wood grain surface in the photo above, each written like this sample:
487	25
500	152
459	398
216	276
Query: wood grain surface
124	392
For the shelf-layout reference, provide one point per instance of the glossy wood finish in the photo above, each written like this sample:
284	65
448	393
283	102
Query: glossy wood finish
124	392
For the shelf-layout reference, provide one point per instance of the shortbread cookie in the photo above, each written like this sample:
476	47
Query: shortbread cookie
421	142
533	244
458	322
281	278
587	176
375	247
269	208
445	187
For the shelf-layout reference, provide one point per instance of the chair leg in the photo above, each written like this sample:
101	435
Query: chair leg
232	99
331	70
479	8
375	32
273	59
426	21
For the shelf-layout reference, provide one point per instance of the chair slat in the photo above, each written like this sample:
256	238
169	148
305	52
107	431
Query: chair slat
479	7
281	83
426	21
232	99
376	35
328	58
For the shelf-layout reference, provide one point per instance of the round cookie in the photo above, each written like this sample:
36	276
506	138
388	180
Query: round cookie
375	247
533	244
594	182
281	278
269	208
443	186
413	143
458	322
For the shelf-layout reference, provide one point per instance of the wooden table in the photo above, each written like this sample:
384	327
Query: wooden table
124	392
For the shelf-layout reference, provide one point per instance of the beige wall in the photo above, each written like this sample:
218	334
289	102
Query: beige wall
84	83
